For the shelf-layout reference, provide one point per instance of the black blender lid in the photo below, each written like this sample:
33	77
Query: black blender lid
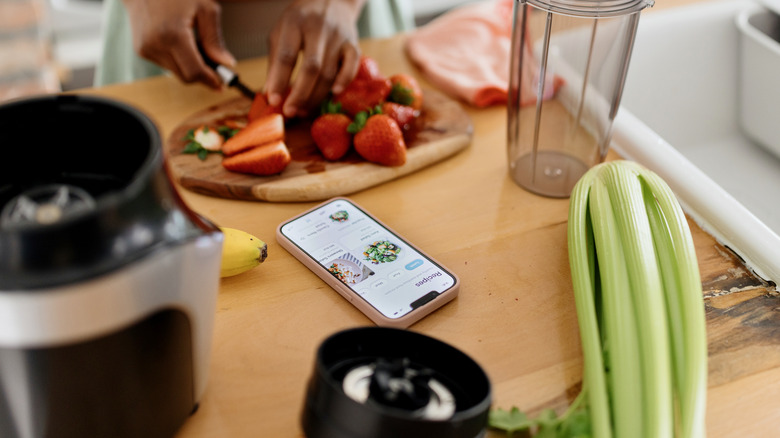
377	382
83	190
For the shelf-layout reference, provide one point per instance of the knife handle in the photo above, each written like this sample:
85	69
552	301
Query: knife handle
228	76
210	62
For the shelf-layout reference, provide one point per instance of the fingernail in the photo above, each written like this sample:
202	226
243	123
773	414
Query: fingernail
274	99
337	89
290	111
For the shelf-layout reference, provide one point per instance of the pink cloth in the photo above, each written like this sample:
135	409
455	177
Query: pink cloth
466	53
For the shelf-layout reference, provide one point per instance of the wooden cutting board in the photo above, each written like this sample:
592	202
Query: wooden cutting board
442	129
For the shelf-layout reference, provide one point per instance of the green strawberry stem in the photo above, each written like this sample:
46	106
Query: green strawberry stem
361	118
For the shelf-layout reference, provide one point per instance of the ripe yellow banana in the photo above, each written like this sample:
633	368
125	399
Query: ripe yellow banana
241	252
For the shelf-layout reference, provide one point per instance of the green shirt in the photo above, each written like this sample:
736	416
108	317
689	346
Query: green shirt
119	62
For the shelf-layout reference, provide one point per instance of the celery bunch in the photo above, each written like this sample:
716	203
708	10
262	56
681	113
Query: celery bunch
639	305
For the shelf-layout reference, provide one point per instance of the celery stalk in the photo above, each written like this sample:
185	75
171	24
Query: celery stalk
583	267
670	278
620	328
646	290
638	295
692	387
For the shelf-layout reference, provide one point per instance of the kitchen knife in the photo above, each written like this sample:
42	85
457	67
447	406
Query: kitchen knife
227	75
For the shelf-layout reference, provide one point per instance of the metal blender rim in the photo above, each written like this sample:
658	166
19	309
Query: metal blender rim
591	8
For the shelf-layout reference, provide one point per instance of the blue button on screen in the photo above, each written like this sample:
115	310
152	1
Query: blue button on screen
414	264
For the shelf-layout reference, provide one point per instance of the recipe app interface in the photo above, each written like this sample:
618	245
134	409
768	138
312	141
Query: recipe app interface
376	264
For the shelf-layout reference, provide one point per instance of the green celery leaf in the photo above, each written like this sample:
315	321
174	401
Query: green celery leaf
510	421
576	425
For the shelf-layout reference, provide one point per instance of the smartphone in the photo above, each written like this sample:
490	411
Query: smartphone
390	280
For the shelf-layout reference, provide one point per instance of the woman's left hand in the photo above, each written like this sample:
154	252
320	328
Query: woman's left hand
325	33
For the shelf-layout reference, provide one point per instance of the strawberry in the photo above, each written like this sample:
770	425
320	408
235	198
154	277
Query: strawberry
402	114
379	139
235	124
363	94
329	132
260	107
406	91
208	138
263	130
368	69
268	159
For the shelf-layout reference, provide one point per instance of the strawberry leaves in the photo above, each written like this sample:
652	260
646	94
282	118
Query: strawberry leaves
359	122
330	107
194	147
226	132
401	94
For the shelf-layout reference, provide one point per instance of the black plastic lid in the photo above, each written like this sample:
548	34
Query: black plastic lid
422	366
83	190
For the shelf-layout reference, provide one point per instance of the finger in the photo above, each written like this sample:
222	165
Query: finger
324	84
285	43
209	24
167	62
173	48
192	67
315	71
350	61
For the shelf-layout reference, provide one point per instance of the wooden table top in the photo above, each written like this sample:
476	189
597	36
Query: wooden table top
515	314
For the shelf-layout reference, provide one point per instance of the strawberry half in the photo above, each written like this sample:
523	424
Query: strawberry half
208	138
379	140
406	91
268	159
263	130
260	108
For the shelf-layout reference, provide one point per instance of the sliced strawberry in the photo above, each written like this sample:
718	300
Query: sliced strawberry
208	138
235	123
329	132
381	141
368	69
260	131
363	95
402	114
406	91
268	159
260	107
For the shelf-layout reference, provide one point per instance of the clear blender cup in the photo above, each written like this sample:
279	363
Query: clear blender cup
568	65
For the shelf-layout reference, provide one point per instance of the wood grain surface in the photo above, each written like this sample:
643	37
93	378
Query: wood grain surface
515	314
442	129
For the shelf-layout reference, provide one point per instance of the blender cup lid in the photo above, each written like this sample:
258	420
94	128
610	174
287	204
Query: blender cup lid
383	382
592	8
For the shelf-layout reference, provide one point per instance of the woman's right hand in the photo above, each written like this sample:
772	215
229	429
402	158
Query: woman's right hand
164	32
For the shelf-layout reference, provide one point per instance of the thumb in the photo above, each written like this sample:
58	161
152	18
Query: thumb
209	27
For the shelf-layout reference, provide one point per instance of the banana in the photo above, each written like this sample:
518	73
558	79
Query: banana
241	252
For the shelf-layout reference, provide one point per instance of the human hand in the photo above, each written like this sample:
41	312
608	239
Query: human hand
326	34
164	32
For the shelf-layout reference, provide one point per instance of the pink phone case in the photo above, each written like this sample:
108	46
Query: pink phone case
364	306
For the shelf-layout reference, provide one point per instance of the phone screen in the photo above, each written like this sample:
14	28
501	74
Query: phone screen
377	265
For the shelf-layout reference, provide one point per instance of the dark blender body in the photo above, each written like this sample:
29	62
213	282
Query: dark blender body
108	281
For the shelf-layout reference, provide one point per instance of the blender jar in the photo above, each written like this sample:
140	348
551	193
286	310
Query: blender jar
568	65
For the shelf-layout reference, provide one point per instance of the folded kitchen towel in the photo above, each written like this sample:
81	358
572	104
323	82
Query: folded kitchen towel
466	53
